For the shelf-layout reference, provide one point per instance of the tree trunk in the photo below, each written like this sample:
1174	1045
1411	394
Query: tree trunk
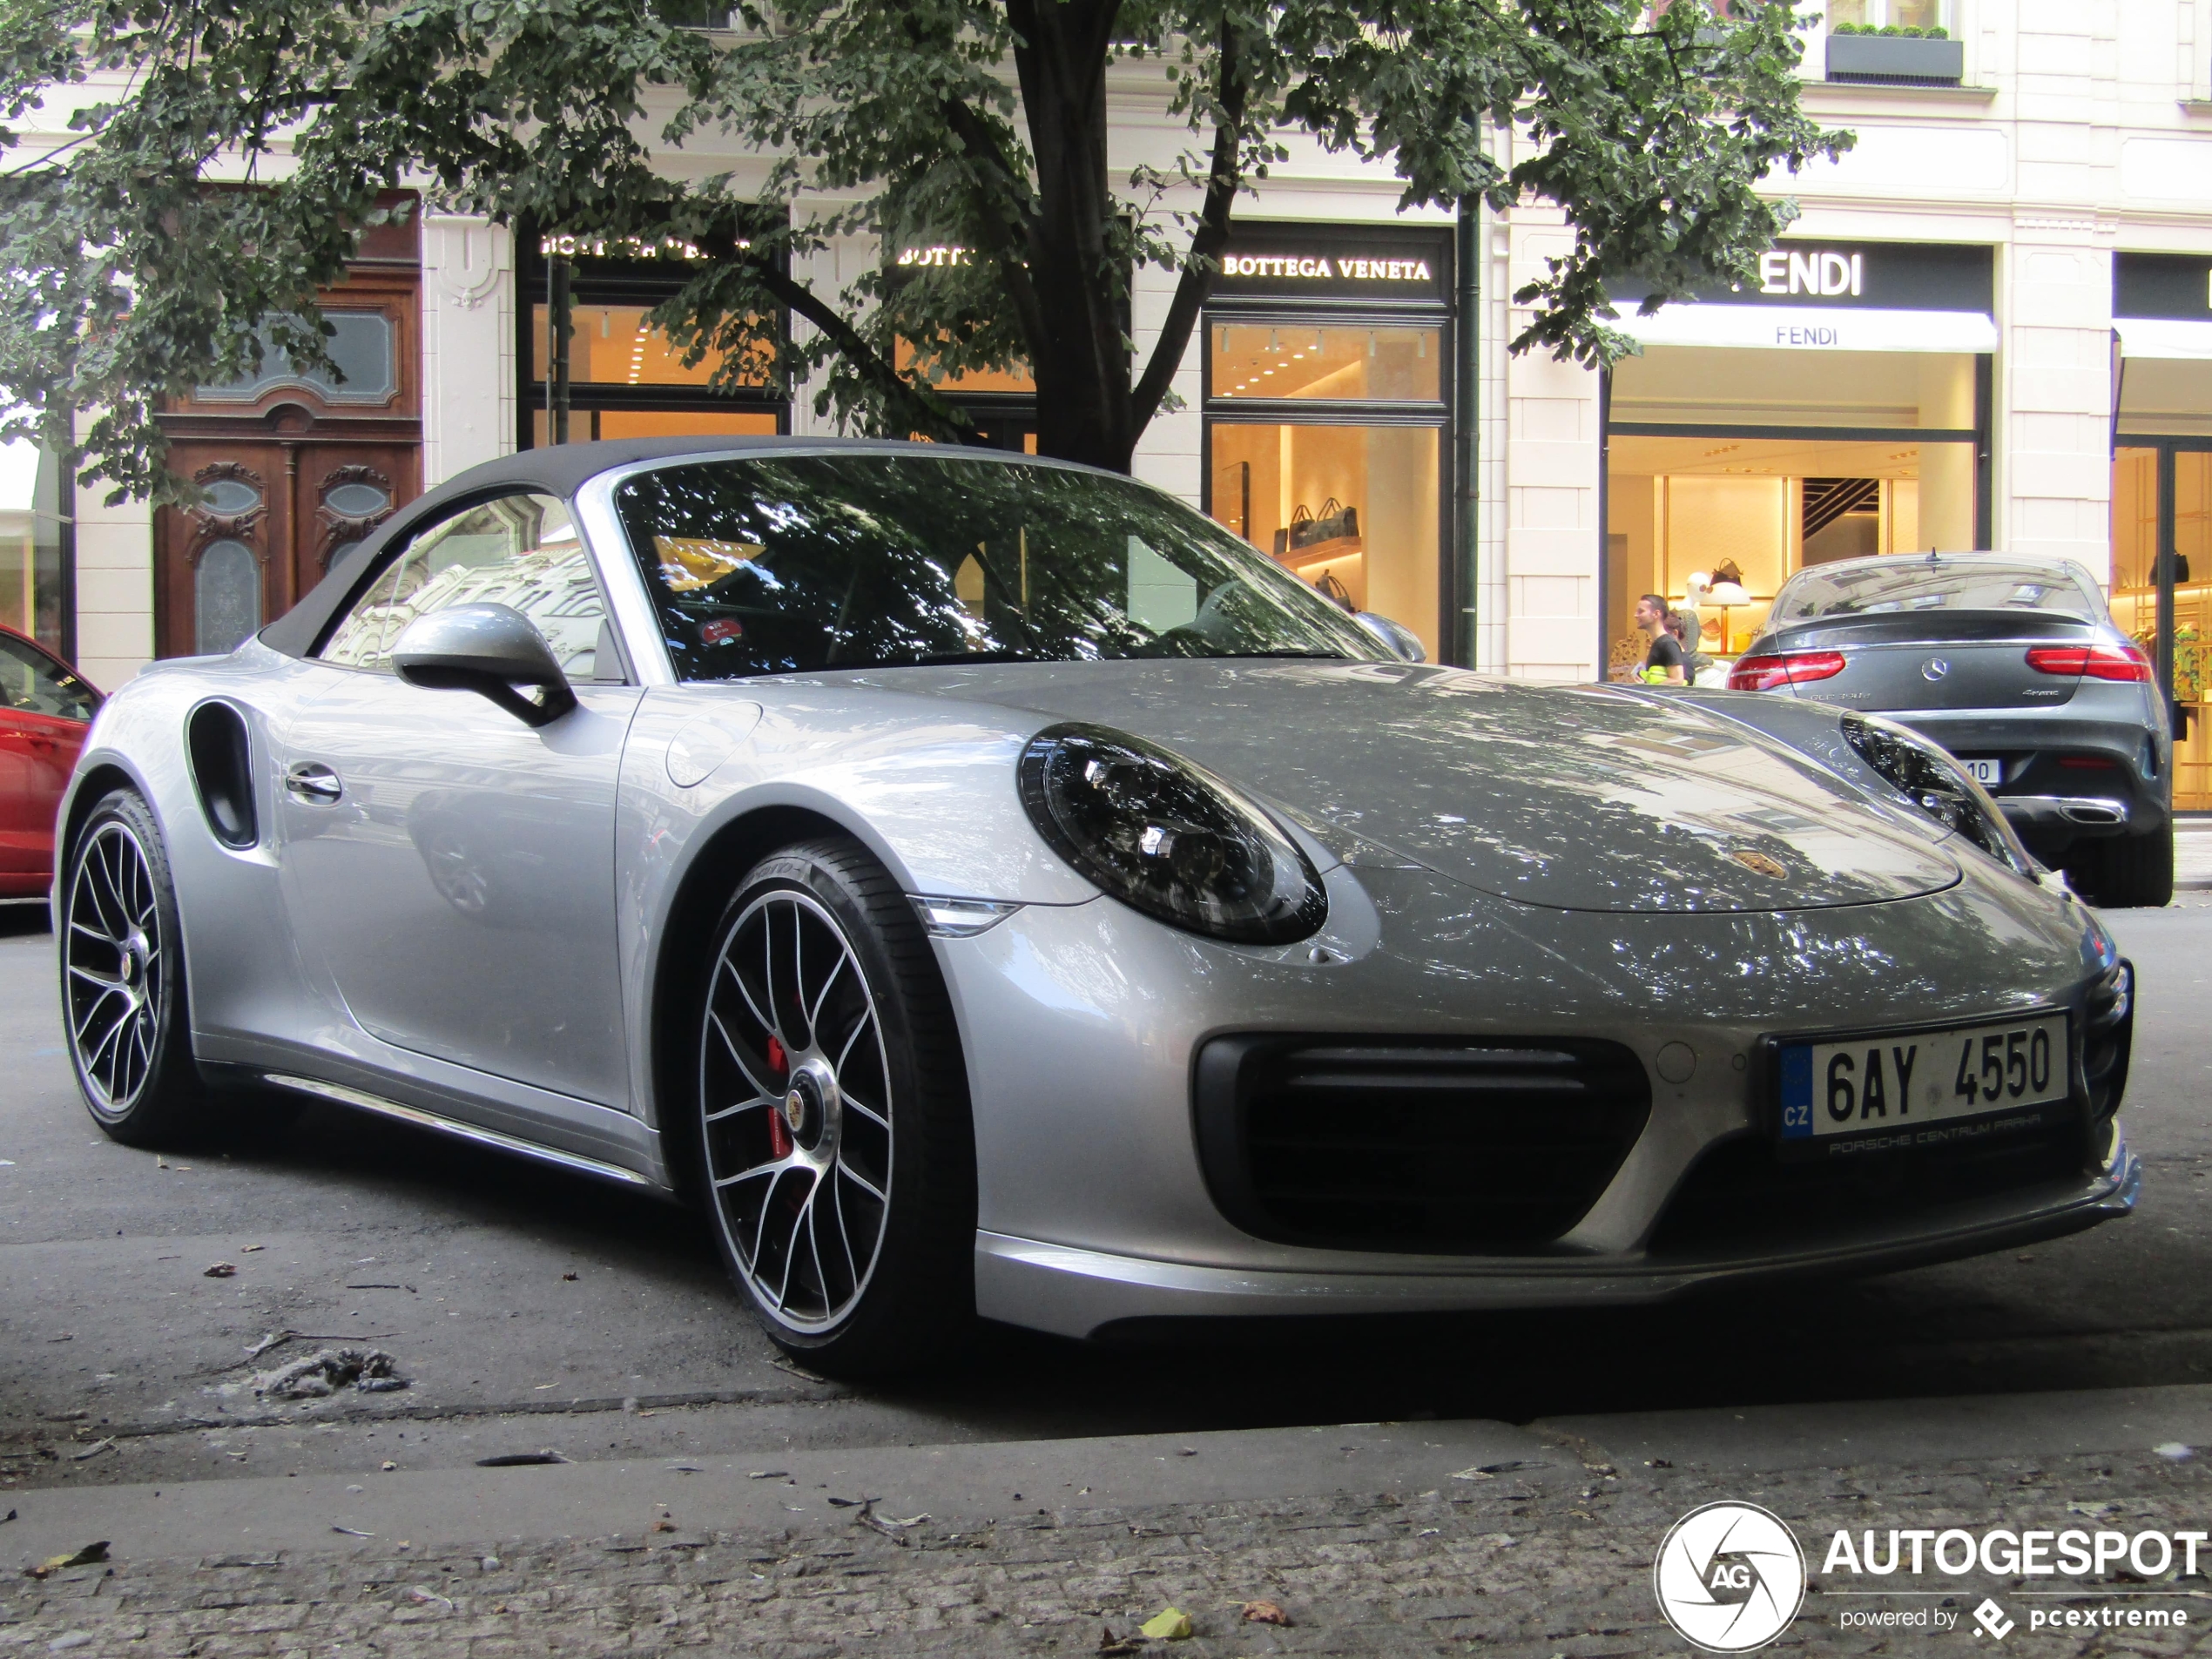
1084	408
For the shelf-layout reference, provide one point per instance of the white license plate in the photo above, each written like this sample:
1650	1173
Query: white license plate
1987	772
1883	1092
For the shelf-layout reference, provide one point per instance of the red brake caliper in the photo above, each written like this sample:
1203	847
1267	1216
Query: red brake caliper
779	1132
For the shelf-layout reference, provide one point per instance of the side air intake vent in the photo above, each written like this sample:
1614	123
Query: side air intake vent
222	772
1421	1145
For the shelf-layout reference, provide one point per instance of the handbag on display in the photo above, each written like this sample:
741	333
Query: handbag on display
1332	589
1333	523
1298	532
1335	520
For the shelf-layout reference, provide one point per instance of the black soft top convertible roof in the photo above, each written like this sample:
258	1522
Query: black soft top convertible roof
560	469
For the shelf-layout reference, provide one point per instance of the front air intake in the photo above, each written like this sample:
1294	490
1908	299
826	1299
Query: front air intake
1417	1145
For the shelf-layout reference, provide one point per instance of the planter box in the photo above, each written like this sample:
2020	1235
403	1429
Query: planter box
1897	59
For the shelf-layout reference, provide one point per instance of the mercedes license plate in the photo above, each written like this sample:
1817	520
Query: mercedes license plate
1883	1093
1987	772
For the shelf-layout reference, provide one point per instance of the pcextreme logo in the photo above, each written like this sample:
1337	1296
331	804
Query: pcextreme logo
1729	1577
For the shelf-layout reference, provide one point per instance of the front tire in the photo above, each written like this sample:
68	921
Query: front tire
124	1008
837	1156
2127	872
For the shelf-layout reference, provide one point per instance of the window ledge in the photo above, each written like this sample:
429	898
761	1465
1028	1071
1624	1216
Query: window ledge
1861	92
2195	105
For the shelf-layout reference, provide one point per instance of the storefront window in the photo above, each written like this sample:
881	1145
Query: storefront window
1352	509
1019	382
1359	365
1741	460
36	522
2136	532
615	345
598	368
1327	401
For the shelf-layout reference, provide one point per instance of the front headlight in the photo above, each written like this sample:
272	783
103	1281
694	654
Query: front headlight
1162	836
1938	786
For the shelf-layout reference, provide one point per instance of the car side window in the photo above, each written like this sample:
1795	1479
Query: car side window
31	681
520	550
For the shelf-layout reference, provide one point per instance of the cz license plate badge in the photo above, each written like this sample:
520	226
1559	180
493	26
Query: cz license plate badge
1894	1091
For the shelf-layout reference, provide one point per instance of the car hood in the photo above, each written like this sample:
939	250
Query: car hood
1582	798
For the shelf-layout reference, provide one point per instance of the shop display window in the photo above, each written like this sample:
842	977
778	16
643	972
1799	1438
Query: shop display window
1362	365
615	345
2136	533
1326	451
1013	381
1742	461
1352	509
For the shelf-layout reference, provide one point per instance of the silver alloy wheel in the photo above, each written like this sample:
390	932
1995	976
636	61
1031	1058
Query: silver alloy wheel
112	950
795	1103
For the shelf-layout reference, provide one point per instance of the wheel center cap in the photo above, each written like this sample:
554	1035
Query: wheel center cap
810	1105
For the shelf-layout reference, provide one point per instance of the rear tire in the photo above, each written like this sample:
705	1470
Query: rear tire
2126	872
123	1009
836	1153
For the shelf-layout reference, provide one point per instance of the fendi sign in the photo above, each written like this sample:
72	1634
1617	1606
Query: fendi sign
1878	276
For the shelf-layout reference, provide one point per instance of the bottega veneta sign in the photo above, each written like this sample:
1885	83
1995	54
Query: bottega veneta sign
1322	268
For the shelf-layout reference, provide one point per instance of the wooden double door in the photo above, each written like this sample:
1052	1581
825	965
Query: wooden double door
296	465
278	512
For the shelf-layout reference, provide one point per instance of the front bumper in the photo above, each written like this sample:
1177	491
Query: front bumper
1076	1292
1080	1024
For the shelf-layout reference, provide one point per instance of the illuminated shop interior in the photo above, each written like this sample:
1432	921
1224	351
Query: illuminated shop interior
2166	431
1345	492
1772	461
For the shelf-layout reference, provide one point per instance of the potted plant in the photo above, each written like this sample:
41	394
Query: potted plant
1892	55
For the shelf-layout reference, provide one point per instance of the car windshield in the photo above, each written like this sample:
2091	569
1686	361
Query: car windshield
773	565
1906	585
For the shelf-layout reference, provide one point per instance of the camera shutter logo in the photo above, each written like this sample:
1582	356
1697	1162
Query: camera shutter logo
1729	1577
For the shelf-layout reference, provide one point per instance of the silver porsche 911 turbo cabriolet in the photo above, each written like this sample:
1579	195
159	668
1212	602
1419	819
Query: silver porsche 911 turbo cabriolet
989	887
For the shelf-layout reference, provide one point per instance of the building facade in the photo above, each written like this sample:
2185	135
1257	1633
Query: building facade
1991	327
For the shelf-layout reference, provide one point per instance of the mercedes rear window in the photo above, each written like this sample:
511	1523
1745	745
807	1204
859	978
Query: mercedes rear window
1902	586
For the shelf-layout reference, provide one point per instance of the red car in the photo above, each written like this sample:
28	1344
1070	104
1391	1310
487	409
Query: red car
45	709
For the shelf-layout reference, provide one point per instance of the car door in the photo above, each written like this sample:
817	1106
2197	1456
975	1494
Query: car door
453	867
43	712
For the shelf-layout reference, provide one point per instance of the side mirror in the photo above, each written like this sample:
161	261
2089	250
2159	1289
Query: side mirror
1395	637
490	650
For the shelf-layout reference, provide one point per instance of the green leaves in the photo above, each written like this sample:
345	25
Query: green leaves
142	269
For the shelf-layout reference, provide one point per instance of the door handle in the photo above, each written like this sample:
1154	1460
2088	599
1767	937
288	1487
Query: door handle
311	782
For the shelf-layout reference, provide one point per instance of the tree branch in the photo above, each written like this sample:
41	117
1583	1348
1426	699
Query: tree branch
913	407
1207	243
1011	252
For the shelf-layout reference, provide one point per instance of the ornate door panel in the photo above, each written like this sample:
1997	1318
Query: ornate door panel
214	564
300	464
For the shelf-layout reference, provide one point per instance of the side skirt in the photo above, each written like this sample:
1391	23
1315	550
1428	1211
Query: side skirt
363	1100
